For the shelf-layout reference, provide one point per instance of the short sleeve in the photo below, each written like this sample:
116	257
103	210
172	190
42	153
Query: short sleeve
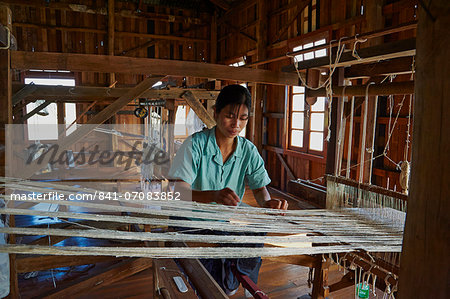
184	165
256	175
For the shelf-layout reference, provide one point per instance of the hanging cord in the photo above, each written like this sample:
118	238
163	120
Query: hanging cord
332	67
380	155
408	135
350	139
364	133
357	40
328	82
386	148
340	135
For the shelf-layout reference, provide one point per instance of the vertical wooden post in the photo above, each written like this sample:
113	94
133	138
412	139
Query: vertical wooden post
370	137
213	43
425	259
6	118
367	125
171	127
320	282
61	115
336	116
259	90
112	76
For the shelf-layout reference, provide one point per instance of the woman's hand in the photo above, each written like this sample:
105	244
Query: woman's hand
279	204
226	197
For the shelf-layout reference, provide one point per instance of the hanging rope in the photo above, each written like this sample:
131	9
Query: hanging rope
357	40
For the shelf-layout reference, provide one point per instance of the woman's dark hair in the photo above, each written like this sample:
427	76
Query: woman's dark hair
235	95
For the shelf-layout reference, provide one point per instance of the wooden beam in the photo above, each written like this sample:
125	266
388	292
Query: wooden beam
425	259
394	88
300	7
345	40
222	4
394	66
368	187
33	112
204	283
282	9
39	263
239	31
163	272
137	48
294	153
118	33
110	275
126	13
286	167
198	108
91	93
240	6
23	93
109	64
301	260
242	29
385	51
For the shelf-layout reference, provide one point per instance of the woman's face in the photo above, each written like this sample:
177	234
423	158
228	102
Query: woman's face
232	119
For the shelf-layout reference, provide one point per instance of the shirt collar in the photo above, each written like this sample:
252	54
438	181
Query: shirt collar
213	148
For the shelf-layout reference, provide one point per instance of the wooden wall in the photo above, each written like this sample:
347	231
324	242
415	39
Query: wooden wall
140	31
290	23
185	34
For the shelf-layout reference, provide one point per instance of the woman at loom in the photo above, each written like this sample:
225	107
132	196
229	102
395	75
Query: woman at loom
216	164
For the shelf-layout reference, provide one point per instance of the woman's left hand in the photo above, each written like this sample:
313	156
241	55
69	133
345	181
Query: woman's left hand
279	204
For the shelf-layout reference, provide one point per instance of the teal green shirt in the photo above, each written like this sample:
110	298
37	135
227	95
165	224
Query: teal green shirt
199	163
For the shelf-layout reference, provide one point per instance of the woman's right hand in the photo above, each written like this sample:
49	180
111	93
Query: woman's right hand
226	197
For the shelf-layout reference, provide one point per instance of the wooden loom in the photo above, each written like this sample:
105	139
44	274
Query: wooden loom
331	231
376	203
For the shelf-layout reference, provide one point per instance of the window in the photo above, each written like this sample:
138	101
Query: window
180	122
48	116
297	116
239	62
317	125
311	54
307	122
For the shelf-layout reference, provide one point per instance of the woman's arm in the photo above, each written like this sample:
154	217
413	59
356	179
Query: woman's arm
225	196
262	196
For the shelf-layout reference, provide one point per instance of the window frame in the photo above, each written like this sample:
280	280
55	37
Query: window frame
48	75
306	126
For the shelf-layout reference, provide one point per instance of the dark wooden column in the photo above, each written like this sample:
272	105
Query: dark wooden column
111	26
332	149
424	271
259	90
6	118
